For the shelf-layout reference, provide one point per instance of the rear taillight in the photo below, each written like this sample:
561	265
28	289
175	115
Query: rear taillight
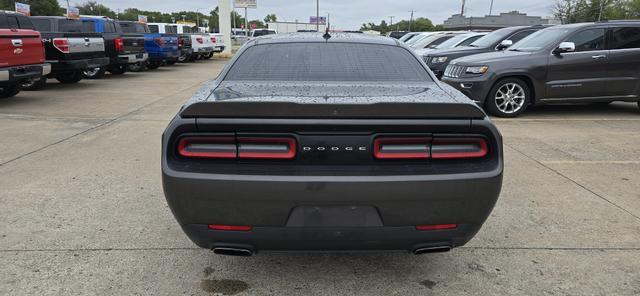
119	44
230	228
159	41
449	148
425	148
200	40
402	148
242	147
436	227
61	44
214	40
181	42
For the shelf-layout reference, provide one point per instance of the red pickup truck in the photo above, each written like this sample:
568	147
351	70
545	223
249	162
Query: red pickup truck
21	53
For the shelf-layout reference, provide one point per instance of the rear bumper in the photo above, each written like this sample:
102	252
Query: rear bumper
330	239
164	55
21	73
267	202
204	50
74	65
132	58
475	89
218	49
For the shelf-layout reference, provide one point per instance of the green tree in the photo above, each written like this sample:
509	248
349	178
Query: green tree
38	7
93	8
418	25
270	18
575	11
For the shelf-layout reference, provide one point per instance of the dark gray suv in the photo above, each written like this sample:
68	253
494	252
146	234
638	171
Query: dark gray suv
578	63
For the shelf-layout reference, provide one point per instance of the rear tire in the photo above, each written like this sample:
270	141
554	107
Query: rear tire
208	56
508	98
35	84
153	65
118	70
10	90
95	73
69	78
138	67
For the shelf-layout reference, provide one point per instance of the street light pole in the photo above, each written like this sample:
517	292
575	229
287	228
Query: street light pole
411	21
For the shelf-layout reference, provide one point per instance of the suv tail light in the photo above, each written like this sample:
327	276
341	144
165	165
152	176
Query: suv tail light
119	44
234	148
61	44
200	40
159	41
425	148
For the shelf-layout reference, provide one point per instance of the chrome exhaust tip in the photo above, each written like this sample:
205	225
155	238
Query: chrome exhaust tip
233	252
431	250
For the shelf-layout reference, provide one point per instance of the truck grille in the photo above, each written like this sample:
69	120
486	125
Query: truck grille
454	71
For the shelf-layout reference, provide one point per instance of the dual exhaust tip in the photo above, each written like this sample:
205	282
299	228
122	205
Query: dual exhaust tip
238	252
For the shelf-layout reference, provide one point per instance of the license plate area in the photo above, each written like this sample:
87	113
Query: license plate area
334	216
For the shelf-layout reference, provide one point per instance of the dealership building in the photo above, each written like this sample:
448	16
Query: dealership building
494	22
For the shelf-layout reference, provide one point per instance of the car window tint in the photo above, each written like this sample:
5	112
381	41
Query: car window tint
520	35
88	26
42	25
327	62
70	26
24	22
12	20
154	29
469	41
588	40
624	38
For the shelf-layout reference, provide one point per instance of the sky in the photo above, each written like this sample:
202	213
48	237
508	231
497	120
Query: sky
349	14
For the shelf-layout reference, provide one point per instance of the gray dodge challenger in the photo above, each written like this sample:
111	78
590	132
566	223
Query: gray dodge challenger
325	143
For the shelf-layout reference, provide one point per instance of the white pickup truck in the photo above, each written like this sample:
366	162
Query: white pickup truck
204	44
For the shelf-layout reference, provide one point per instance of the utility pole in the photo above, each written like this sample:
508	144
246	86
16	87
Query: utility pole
391	24
246	22
318	15
491	8
462	10
602	4
411	20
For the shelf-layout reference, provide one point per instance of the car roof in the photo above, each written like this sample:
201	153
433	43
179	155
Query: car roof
319	37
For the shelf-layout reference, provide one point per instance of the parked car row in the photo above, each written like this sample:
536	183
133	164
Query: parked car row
34	49
507	70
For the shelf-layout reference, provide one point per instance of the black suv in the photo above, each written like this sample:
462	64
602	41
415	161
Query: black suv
498	40
578	63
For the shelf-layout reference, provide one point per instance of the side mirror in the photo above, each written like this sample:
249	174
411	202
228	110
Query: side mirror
505	44
565	47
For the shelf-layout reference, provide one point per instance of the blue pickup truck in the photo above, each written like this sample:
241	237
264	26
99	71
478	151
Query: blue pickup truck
122	48
162	48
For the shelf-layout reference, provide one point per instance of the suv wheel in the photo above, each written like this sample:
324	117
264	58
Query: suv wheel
10	90
508	98
68	78
35	84
94	73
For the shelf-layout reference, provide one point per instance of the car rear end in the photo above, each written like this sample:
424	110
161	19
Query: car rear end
218	42
274	160
22	56
129	45
162	47
202	44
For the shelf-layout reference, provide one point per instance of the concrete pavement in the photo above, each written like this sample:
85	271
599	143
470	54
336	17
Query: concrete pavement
82	210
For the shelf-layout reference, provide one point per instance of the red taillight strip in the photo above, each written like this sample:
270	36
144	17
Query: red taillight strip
402	148
230	228
208	147
61	44
436	227
232	148
448	148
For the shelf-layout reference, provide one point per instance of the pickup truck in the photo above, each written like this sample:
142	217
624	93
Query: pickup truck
201	42
69	49
21	53
122	47
218	44
184	41
162	48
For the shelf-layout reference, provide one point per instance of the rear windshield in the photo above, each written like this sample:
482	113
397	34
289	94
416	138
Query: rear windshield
258	33
134	27
75	26
42	25
327	62
171	29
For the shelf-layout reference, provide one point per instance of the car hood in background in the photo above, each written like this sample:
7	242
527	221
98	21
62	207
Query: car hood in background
455	51
491	57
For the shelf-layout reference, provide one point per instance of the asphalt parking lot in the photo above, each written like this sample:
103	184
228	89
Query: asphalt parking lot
82	210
